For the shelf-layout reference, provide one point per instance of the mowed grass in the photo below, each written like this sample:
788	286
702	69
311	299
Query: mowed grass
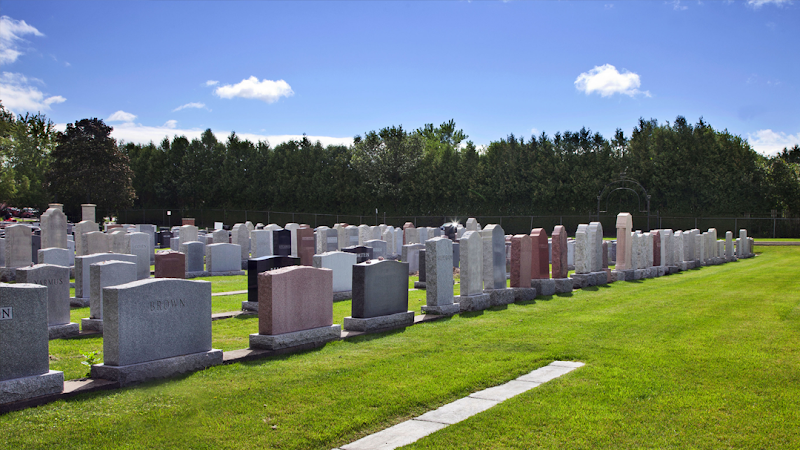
703	359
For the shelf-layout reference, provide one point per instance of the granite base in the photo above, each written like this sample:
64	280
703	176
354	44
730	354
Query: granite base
599	278
7	274
89	324
651	272
563	285
662	270
672	270
420	284
17	389
160	368
64	330
523	294
368	325
78	302
582	280
683	265
639	274
197	274
316	336
500	297
446	310
343	295
477	302
225	274
544	286
249	306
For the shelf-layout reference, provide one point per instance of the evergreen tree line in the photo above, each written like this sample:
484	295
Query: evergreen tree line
687	170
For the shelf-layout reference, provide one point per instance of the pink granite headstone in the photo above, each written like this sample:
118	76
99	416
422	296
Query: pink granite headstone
540	258
170	264
406	226
560	268
656	247
293	299
521	261
305	245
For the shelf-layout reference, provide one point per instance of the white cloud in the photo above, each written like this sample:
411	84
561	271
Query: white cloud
10	37
768	142
756	4
197	105
607	81
267	90
121	116
535	131
212	82
141	134
676	5
18	95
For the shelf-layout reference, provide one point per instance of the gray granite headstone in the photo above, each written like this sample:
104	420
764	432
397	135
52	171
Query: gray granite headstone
56	279
18	246
104	274
187	233
494	257
195	252
595	231
471	263
410	254
422	266
260	243
224	258
439	277
156	328
583	250
24	344
331	242
378	248
54	255
82	271
141	245
54	228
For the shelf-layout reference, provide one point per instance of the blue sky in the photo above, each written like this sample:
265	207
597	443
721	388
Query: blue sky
332	70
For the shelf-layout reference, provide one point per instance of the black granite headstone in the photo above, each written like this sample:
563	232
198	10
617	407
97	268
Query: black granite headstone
422	278
36	244
380	288
456	254
363	253
281	242
262	264
163	239
450	232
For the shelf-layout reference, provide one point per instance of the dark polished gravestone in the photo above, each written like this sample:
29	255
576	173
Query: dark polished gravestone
163	239
281	242
421	283
380	297
262	264
363	252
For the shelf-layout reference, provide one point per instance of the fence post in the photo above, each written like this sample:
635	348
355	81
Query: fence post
774	224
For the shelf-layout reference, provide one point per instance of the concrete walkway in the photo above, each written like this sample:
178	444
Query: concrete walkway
412	430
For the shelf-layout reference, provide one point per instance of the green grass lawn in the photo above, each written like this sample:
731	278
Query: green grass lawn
703	359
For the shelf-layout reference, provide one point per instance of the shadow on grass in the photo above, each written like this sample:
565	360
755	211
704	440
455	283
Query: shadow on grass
471	314
372	336
564	294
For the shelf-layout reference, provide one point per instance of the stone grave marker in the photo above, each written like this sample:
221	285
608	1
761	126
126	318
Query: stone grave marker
224	259
156	328
472	297
321	239
540	258
188	233
105	274
170	264
292	229
240	236
305	245
83	273
261	243
141	245
378	248
380	297
24	348
256	266
595	232
521	268
331	240
420	283
55	256
54	228
195	252
362	252
624	229
494	257
439	277
18	246
81	228
341	263
281	242
56	279
295	307
120	243
560	267
410	254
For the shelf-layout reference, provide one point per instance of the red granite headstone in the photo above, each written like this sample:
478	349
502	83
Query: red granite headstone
170	264
521	261
560	268
540	257
187	221
305	245
294	298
